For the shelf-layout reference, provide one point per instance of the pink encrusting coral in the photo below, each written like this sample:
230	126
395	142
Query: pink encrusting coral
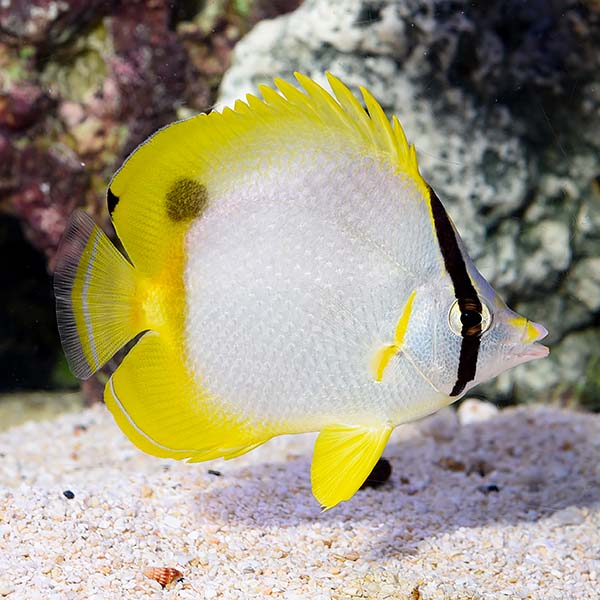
83	82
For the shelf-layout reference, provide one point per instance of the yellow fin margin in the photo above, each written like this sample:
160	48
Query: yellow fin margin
389	138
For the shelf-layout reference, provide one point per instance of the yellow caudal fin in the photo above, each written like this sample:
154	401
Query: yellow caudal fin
162	410
94	286
343	458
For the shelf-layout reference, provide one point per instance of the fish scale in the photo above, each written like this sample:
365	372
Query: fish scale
338	371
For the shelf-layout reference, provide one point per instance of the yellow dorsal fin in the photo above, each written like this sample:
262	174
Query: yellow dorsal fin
168	180
380	124
350	105
343	458
323	103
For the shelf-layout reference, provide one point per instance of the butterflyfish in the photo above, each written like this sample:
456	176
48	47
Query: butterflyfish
286	269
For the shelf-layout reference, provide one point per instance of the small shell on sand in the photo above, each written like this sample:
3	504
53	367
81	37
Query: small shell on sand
164	575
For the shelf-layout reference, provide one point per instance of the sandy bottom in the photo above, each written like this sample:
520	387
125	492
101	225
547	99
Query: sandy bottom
16	409
508	507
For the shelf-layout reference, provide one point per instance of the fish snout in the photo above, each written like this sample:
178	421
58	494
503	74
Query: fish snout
532	334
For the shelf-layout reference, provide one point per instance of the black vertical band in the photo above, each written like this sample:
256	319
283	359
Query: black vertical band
465	293
112	201
467	364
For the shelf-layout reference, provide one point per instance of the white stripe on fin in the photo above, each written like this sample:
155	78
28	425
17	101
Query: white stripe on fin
140	431
84	299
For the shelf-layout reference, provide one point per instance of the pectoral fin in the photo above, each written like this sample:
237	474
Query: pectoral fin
343	458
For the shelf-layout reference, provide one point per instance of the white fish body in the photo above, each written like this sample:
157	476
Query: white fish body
295	296
295	273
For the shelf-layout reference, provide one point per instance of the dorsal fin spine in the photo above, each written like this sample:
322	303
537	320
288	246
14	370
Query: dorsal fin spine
343	108
400	139
256	104
352	107
299	101
272	97
381	124
325	104
348	101
241	108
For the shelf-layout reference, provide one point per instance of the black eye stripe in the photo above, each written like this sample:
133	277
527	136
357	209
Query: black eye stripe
464	292
470	318
467	363
471	314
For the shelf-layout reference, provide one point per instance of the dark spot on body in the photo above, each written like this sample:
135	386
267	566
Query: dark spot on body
185	200
214	472
379	475
68	494
112	201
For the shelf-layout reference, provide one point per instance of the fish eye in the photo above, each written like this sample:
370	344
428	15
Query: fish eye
469	318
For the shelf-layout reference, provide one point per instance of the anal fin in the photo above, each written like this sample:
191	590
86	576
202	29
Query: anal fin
226	453
163	412
343	458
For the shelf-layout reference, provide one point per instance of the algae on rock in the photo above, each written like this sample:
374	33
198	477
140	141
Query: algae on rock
82	83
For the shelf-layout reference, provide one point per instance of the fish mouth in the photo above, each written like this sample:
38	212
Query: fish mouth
534	332
535	350
532	349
